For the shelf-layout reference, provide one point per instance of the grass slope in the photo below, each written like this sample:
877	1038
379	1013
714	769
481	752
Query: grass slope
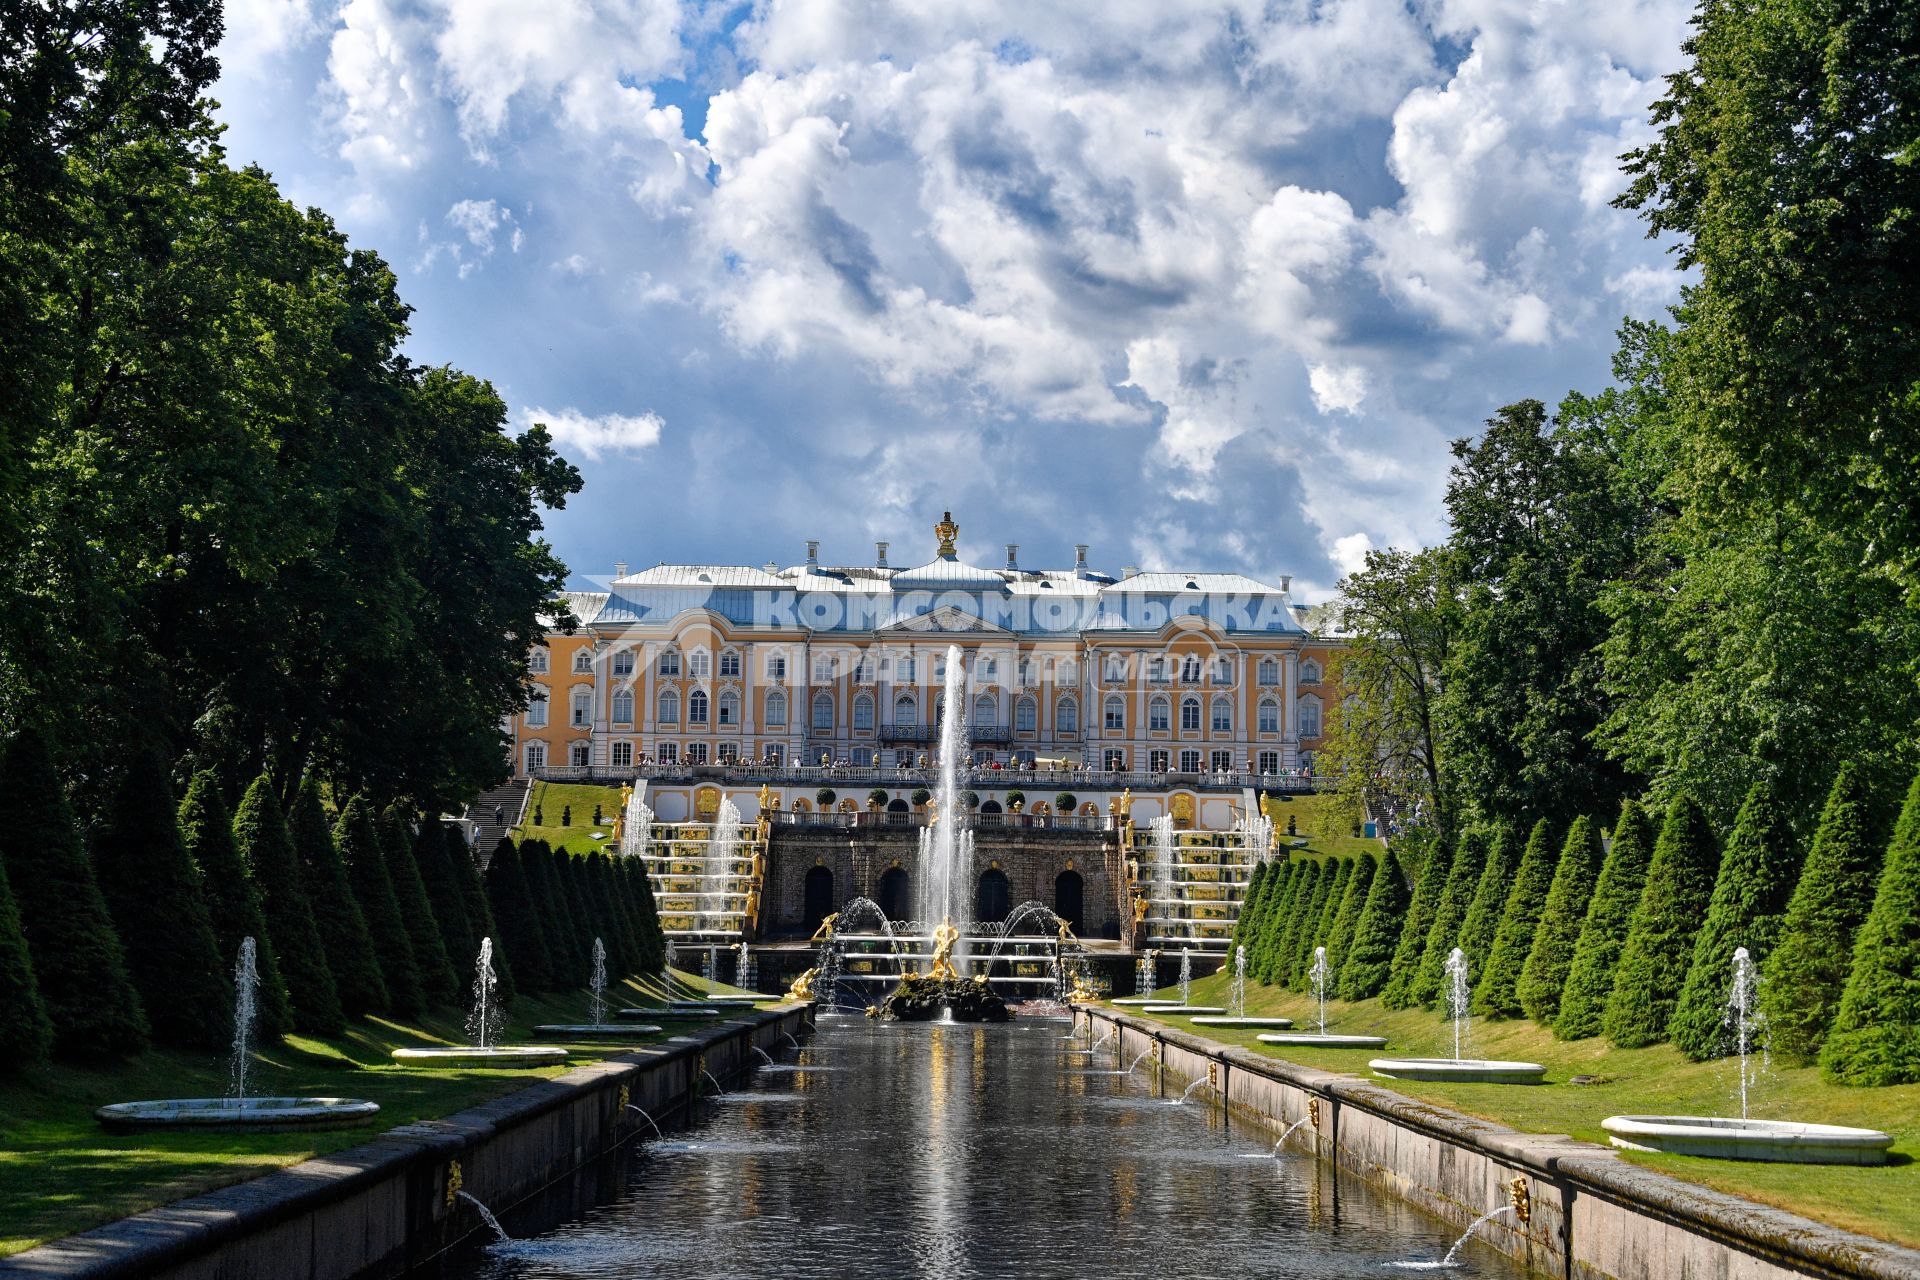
60	1173
553	799
1317	820
1882	1202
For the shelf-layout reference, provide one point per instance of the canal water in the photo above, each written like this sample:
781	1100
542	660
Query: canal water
896	1150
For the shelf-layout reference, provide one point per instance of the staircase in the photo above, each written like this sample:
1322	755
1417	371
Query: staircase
510	797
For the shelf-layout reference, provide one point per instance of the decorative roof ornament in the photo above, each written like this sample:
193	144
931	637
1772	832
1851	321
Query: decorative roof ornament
946	531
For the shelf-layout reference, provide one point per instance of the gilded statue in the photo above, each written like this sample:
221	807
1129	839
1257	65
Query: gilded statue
1066	934
766	797
1139	910
825	931
802	988
944	938
1123	803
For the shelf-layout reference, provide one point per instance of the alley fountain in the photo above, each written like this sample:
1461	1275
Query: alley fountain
484	1024
1744	1137
240	1111
1320	978
597	1027
1459	1067
1236	1014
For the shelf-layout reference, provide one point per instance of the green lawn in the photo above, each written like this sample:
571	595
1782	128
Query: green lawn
60	1173
1316	821
1882	1201
553	799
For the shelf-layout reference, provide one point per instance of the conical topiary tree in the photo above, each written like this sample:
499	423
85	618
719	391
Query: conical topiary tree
1456	899
1411	948
160	911
358	837
1283	931
1316	921
76	954
1489	901
336	911
520	935
1616	893
1498	993
1875	1038
1803	979
1272	923
653	938
601	872
437	978
1369	957
1660	941
1341	916
24	1028
264	845
1544	976
433	856
1750	893
563	917
1249	909
474	896
233	900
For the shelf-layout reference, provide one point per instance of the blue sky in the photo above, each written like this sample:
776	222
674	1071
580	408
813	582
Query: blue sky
1207	286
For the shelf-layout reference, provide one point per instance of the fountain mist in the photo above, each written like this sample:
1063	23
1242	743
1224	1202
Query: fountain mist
598	983
484	1022
946	847
1321	976
1744	1020
1237	993
1459	997
246	996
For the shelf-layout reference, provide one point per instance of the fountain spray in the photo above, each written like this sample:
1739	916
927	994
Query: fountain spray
483	1023
1237	993
1186	977
598	983
946	847
1321	977
246	994
1458	1000
1745	1020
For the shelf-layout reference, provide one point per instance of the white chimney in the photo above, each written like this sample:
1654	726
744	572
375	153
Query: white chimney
881	547
1013	555
620	569
1079	557
813	553
1286	582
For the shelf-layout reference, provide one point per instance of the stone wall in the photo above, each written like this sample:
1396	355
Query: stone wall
1031	858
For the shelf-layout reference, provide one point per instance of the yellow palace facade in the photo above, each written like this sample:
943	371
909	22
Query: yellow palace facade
846	665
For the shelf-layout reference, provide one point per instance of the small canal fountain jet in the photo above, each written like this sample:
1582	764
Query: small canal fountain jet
1746	1138
1475	1070
484	1024
1320	976
597	1027
1519	1204
238	1111
1236	1015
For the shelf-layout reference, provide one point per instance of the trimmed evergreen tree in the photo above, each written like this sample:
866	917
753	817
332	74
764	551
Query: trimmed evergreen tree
1750	894
1660	941
1875	1038
1616	893
358	836
77	957
1276	946
1489	901
602	871
1369	957
264	845
1342	915
520	935
154	895
348	946
1544	975
1317	921
1803	979
652	936
1249	909
233	900
1456	899
434	846
1498	993
437	979
1412	946
1279	883
563	916
24	1028
474	896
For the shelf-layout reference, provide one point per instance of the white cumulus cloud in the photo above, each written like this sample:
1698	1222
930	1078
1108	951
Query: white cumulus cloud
595	437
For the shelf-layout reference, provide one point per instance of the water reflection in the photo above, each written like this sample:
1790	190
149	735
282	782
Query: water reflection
963	1151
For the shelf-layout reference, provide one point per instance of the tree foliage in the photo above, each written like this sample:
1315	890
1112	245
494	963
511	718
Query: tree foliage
24	1027
1497	995
336	908
438	981
1875	1038
233	900
1544	976
1603	932
1489	900
1450	915
1653	961
1408	952
357	835
266	847
1368	959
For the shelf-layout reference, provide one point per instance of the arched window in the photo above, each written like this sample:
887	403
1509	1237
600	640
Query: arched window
1069	673
1309	672
776	709
1069	899
1066	716
537	713
1159	714
1223	669
537	661
582	705
892	893
776	666
1309	717
818	897
905	710
730	662
863	712
583	662
1115	715
623	706
823	710
1269	673
579	755
697	707
1190	669
994	898
1026	715
1222	720
698	664
623	663
670	662
1269	716
983	711
1189	715
729	707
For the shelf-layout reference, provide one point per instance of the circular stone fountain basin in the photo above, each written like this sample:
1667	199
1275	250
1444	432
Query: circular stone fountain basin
502	1057
598	1030
1137	1000
1312	1040
1210	1020
689	1011
1725	1138
255	1115
1465	1070
1182	1008
724	1001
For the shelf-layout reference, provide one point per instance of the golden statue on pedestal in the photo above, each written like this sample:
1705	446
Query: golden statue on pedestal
944	938
766	797
825	931
620	814
1122	804
802	988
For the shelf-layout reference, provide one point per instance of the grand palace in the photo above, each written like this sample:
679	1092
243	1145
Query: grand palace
1151	673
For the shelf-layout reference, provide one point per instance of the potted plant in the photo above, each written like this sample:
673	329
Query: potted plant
1065	803
971	799
877	798
825	797
920	797
1015	799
